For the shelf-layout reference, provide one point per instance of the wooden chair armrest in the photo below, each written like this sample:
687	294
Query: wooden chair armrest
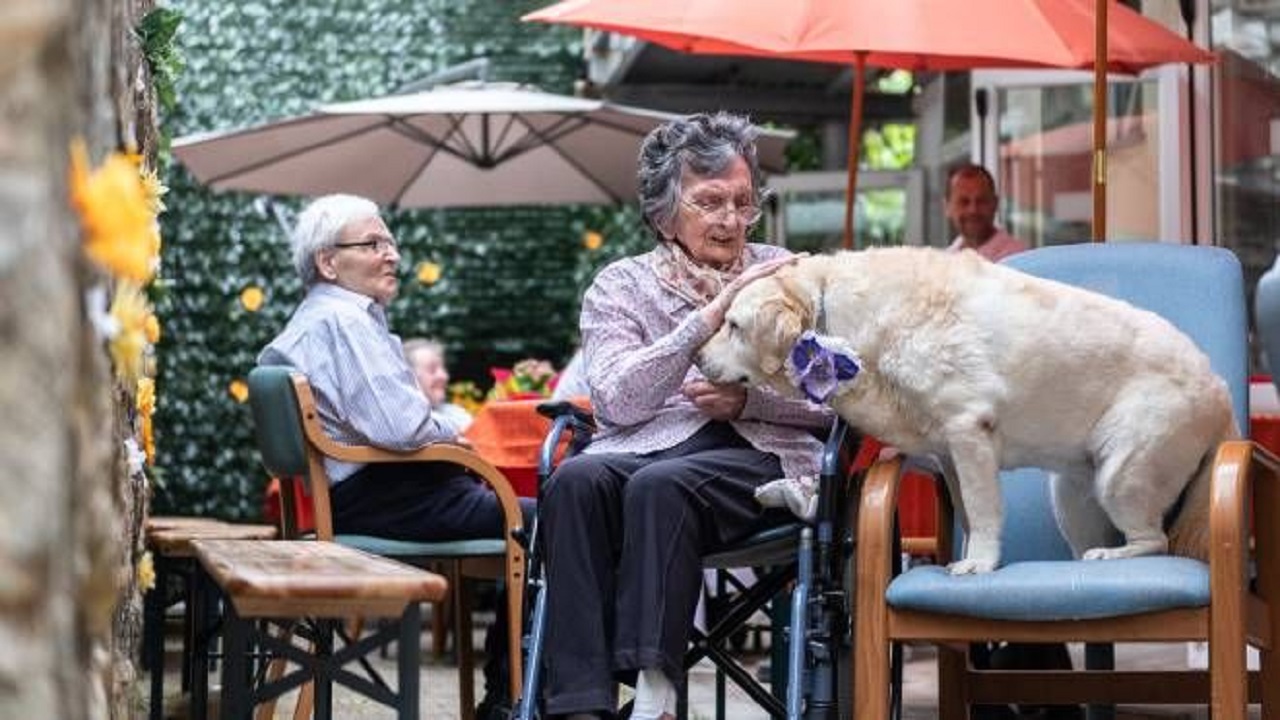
1245	476
436	452
876	510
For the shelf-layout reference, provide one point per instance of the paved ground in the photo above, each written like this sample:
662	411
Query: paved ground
440	689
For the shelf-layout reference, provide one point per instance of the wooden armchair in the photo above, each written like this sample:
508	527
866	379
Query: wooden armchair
1040	596
293	444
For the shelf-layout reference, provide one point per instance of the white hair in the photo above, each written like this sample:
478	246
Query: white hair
319	226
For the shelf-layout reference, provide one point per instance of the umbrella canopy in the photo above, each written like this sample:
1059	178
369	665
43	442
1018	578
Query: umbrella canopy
904	34
463	145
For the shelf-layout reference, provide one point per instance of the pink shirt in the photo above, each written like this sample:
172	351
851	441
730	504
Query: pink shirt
638	343
998	246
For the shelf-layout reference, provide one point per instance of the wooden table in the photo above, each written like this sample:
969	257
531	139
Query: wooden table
321	584
169	540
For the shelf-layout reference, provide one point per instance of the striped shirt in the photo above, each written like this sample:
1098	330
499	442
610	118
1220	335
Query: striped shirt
638	342
365	391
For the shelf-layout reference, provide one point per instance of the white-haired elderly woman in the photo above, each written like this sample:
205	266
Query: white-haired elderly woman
670	475
366	392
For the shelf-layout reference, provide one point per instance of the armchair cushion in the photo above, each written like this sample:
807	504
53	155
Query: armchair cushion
406	548
1057	590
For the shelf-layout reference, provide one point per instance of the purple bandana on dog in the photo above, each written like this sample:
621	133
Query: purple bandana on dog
819	364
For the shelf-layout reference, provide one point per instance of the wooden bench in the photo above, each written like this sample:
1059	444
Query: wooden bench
169	540
322	584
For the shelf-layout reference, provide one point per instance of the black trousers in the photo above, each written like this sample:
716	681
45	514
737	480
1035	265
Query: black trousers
425	502
429	502
624	537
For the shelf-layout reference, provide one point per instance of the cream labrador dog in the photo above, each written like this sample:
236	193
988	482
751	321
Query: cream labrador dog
985	368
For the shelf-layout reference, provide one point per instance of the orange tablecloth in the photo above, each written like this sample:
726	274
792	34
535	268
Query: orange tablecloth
509	433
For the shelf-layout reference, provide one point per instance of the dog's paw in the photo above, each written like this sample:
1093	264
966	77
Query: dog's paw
798	494
971	566
1137	549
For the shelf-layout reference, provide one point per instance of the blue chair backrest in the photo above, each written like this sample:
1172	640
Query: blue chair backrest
1199	289
1266	313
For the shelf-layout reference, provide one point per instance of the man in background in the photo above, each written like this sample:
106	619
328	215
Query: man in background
971	203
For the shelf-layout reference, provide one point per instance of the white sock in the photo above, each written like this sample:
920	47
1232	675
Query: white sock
655	696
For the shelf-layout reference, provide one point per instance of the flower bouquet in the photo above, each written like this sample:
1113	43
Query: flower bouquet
529	379
467	395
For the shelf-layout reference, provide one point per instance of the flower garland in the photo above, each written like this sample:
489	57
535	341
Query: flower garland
118	203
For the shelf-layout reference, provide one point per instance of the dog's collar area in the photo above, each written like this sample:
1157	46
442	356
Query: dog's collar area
820	366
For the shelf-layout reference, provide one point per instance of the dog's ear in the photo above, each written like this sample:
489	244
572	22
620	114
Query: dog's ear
778	325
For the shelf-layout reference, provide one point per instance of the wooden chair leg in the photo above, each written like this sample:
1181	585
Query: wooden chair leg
306	702
442	613
305	706
871	675
275	670
1269	680
440	627
953	700
463	645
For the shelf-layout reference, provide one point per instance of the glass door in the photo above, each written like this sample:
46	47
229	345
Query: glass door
1038	139
806	211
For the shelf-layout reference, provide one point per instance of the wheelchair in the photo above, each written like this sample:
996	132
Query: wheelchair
815	560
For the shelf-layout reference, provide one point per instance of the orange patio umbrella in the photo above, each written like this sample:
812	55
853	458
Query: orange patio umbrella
912	35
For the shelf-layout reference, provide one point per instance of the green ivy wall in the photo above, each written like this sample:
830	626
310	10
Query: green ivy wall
511	278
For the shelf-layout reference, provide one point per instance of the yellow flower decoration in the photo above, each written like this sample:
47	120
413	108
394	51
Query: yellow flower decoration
120	228
146	572
129	311
152	329
428	272
149	440
155	190
592	240
146	400
239	390
251	298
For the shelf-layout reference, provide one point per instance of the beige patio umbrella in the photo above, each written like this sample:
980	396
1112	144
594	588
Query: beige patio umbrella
475	144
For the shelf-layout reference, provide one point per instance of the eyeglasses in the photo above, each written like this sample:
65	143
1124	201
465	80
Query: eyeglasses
381	246
716	210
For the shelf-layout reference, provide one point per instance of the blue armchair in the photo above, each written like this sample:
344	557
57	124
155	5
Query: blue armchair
1041	594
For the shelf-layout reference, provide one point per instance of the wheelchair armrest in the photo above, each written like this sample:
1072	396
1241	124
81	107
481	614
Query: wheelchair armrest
840	449
565	416
580	416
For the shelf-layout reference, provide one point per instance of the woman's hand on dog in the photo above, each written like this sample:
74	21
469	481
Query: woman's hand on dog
719	402
713	312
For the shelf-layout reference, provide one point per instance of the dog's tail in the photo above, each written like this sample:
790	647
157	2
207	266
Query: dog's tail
1189	535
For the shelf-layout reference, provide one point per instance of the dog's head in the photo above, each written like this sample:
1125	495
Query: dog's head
763	323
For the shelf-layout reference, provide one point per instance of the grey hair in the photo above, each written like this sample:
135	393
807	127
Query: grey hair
319	226
704	144
412	346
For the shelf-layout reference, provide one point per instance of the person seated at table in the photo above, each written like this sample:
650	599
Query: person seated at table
670	475
367	394
426	357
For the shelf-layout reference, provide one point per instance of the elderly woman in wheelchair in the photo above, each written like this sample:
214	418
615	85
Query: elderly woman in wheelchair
671	473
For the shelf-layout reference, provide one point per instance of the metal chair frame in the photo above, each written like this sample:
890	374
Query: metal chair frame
813	560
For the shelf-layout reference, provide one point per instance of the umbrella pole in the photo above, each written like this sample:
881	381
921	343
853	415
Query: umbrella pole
1100	123
855	145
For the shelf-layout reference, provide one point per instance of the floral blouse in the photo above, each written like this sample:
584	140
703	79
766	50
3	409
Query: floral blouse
639	340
